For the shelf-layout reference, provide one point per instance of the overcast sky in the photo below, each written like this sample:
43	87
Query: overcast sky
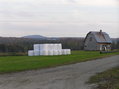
58	18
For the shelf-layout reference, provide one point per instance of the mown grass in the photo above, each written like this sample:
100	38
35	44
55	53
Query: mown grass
20	63
106	80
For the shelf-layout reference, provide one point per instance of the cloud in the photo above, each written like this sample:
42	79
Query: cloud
55	16
94	2
57	11
63	2
71	1
57	29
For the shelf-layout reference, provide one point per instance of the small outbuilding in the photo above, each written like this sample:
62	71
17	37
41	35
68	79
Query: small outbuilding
97	41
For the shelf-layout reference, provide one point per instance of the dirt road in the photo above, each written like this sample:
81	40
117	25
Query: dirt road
64	77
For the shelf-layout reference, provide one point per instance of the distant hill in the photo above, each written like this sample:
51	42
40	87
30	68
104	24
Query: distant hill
35	37
39	37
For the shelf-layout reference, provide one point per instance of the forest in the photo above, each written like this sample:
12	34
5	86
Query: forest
12	44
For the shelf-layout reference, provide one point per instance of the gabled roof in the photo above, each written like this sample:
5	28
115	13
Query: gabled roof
101	37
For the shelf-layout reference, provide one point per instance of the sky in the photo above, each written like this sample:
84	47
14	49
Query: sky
58	18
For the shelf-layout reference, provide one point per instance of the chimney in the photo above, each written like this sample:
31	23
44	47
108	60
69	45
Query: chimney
100	31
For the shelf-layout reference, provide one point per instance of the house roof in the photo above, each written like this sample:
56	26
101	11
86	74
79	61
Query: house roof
101	37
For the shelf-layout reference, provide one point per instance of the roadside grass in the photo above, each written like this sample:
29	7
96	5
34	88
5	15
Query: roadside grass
13	54
21	63
106	80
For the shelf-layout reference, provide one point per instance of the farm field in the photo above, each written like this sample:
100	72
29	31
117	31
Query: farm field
21	63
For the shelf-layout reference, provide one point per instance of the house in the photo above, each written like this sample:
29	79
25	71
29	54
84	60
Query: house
97	41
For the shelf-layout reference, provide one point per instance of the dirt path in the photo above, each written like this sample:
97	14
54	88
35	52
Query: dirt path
65	77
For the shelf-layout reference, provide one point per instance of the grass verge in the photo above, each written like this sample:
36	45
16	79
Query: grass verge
106	80
21	63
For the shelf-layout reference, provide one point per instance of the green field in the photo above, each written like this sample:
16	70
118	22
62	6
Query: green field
106	80
20	63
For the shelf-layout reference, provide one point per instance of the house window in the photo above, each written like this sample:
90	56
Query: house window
85	45
90	38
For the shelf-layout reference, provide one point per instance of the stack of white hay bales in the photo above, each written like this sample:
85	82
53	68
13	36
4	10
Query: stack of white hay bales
48	49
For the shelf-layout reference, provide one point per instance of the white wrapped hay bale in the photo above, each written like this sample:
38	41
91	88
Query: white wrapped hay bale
36	47
59	52
55	52
48	49
68	51
44	47
36	52
30	53
59	46
50	52
64	51
51	47
43	52
54	47
40	46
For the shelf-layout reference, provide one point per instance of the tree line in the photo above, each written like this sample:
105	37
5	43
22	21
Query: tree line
25	44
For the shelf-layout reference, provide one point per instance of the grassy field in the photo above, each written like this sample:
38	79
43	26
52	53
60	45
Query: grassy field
13	54
20	63
106	80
